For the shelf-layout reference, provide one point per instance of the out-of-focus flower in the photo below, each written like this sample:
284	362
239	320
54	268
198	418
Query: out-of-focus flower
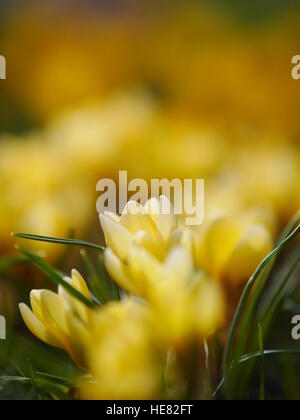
269	173
187	305
151	256
59	319
147	227
231	248
122	357
93	135
38	190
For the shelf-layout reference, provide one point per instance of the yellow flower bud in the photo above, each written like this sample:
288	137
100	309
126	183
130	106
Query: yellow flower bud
59	319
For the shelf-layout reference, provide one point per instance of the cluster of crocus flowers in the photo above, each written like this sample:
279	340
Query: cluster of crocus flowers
151	256
173	300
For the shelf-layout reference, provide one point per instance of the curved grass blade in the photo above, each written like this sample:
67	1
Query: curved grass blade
245	328
253	356
252	304
61	241
54	276
292	224
268	315
262	363
247	291
257	354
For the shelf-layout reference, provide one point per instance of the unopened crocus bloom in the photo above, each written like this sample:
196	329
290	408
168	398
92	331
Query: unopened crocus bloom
60	319
122	356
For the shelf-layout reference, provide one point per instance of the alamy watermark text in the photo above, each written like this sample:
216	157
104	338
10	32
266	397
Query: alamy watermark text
2	67
186	195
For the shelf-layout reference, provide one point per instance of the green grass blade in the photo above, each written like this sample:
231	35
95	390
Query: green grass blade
267	316
257	354
61	241
292	224
115	293
20	379
260	285
245	325
249	357
97	284
262	363
54	276
247	291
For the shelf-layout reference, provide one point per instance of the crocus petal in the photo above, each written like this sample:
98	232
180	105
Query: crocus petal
135	218
152	207
54	315
181	238
179	265
117	237
117	270
146	269
79	284
36	327
219	242
253	247
166	219
208	305
78	308
35	300
144	240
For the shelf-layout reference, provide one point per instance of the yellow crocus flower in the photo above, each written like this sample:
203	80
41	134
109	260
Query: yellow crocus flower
60	319
146	227
122	357
231	248
150	255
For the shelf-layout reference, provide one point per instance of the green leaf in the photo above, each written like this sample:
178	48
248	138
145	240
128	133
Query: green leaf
61	241
55	276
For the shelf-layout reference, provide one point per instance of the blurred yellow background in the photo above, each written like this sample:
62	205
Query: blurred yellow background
158	88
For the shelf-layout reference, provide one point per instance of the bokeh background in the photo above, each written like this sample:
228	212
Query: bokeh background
188	89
